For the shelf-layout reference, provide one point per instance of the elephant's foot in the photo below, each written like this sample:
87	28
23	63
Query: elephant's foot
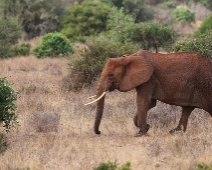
143	130
178	128
135	118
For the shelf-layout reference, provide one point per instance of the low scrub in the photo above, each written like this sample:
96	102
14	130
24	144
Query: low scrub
113	166
204	166
23	49
201	44
53	45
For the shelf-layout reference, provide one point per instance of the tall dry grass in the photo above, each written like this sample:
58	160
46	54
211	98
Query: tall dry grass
56	129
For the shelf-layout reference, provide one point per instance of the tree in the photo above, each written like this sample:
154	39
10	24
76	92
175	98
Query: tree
85	19
136	8
149	35
10	32
183	15
37	17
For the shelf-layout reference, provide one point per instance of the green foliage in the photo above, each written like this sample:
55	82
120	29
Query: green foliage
89	65
204	166
23	49
154	2
206	25
7	108
206	3
10	32
53	45
3	143
36	17
149	35
168	4
117	21
113	166
86	19
183	15
201	44
136	8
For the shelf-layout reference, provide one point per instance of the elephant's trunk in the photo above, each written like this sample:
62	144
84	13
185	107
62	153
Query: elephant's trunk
101	89
99	112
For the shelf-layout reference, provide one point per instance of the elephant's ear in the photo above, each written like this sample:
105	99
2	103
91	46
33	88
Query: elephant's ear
137	70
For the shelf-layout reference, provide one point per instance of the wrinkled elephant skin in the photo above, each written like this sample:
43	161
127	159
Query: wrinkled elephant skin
183	79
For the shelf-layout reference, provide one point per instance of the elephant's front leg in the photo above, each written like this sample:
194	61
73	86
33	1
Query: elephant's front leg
143	104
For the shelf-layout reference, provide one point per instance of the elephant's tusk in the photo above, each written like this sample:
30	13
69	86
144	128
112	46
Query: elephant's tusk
92	97
102	95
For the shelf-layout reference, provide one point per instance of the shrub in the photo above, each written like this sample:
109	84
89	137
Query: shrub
183	15
85	19
89	65
149	35
204	166
113	166
53	45
206	25
7	107
23	49
45	121
10	32
201	44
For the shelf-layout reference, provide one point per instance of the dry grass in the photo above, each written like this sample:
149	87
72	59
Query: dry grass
56	129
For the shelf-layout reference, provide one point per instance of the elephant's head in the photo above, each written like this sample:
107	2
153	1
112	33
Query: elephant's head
124	74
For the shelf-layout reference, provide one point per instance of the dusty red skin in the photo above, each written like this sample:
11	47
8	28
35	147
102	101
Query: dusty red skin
183	79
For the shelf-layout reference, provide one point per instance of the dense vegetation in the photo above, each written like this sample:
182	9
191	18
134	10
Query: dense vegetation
7	108
53	44
108	29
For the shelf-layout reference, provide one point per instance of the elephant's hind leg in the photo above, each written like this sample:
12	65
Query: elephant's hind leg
186	111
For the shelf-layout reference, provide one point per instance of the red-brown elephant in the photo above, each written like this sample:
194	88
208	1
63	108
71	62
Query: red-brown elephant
183	79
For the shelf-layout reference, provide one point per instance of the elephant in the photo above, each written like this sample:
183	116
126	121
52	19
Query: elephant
182	79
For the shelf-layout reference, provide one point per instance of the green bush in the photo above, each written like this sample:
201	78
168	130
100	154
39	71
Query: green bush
149	35
201	44
86	19
113	166
7	108
10	32
23	49
183	15
53	45
206	25
91	61
204	166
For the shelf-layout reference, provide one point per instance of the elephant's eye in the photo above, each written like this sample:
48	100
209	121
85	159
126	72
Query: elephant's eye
111	75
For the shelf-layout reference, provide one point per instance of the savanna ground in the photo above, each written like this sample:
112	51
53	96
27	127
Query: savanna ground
56	129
